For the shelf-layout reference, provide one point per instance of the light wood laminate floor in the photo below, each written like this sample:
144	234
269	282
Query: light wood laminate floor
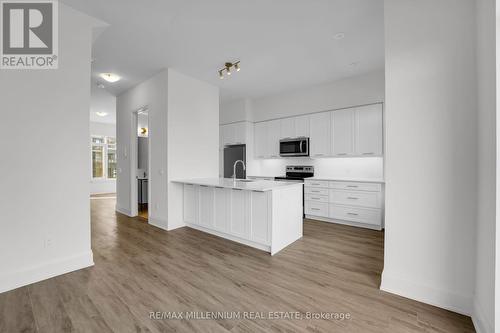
139	269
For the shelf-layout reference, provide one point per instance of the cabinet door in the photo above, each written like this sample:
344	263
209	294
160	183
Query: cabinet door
260	140
227	134
239	215
206	206
273	138
221	205
369	130
287	128
343	132
259	225
239	133
190	204
302	126
320	127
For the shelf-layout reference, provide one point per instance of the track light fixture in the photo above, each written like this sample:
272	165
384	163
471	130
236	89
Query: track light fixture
227	68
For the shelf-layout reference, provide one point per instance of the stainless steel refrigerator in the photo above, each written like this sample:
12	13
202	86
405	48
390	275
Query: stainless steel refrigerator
231	155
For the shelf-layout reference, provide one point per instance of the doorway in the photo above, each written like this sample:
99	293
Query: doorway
141	163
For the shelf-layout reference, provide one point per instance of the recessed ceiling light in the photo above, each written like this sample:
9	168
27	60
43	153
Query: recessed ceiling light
339	35
101	114
110	77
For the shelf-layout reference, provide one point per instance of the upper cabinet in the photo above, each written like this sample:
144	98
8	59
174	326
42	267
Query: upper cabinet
234	134
353	132
320	134
369	130
294	127
343	133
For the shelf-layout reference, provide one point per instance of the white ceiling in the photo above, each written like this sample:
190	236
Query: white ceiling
102	101
282	44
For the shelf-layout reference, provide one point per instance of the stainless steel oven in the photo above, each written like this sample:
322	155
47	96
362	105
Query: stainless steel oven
294	147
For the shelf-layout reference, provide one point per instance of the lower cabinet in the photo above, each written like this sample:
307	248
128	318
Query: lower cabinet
354	203
239	225
206	206
238	213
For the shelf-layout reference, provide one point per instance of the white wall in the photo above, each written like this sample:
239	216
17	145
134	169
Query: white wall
431	168
184	141
153	94
98	186
235	111
354	91
46	222
484	300
193	137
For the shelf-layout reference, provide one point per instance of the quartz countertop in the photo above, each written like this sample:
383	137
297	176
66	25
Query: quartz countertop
353	179
254	185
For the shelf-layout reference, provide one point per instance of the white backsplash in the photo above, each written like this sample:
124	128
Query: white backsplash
361	167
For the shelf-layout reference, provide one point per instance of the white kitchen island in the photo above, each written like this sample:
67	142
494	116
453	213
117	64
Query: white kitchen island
266	215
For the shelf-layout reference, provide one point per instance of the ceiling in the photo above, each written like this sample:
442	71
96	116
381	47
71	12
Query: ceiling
102	102
282	44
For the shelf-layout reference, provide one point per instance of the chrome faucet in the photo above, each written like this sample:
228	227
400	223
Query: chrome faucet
234	168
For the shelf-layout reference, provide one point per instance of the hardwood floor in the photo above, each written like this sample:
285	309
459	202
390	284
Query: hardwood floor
139	269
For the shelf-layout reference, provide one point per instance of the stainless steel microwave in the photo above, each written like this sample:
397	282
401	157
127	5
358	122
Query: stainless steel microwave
294	147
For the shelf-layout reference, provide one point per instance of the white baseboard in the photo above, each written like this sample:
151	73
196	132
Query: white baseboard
123	211
29	275
426	294
157	223
479	319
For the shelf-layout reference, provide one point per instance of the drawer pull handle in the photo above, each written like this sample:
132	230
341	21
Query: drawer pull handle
316	198
354	186
368	153
352	198
353	214
316	191
342	154
315	209
315	184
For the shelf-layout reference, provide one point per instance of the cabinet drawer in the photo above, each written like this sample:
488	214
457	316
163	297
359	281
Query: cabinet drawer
316	183
371	187
355	198
361	215
318	198
316	208
316	191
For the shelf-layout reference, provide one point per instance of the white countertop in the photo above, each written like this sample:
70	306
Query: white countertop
358	180
256	185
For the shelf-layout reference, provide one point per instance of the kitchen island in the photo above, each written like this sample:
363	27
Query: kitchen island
266	215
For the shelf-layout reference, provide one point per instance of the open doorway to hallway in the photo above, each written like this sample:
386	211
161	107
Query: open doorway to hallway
142	156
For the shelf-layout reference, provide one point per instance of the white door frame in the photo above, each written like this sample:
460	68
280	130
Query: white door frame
134	197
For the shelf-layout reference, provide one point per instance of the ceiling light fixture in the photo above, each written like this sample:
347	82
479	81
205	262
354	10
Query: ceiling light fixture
339	35
227	68
101	114
110	77
100	85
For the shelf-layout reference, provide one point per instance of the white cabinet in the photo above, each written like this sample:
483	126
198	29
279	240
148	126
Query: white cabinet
239	222
295	127
302	126
234	134
206	206
260	224
260	140
353	203
343	132
191	203
320	134
287	128
221	213
273	138
369	130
